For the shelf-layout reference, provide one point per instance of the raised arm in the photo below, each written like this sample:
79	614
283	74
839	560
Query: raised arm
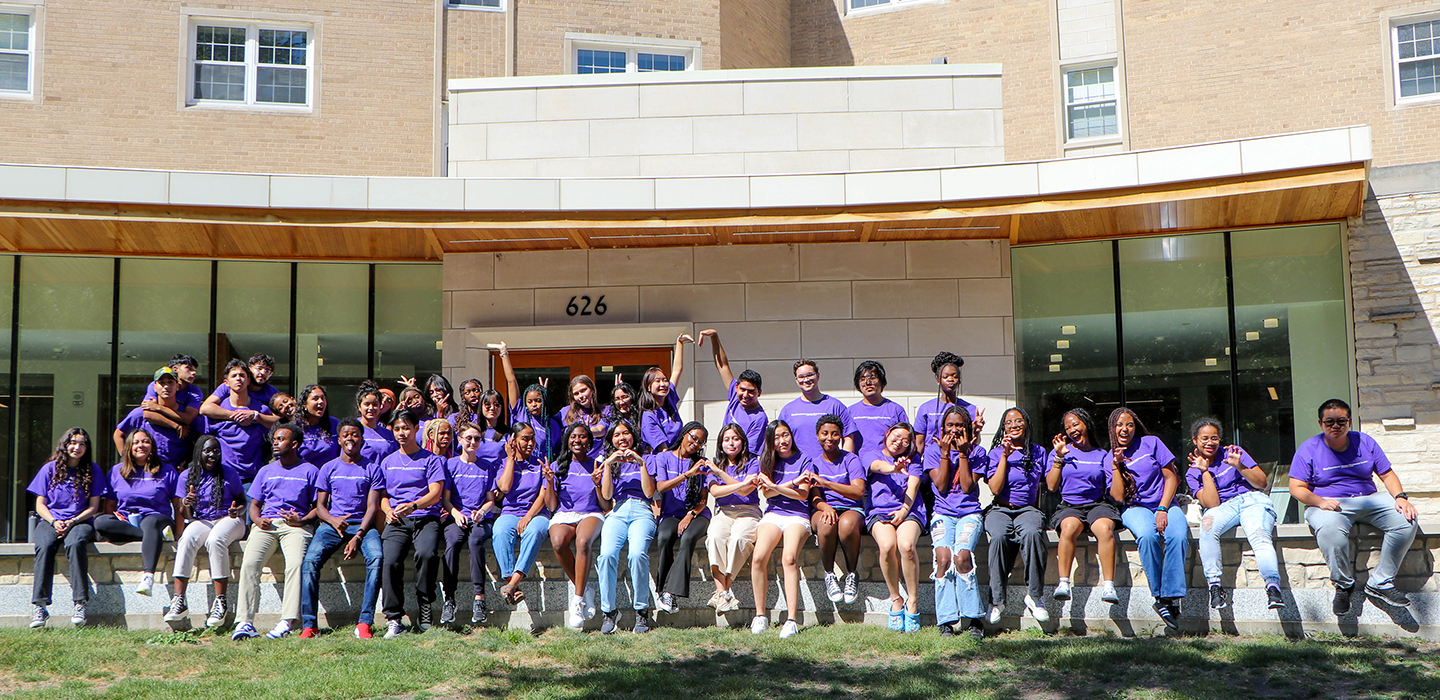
722	362
512	386
677	360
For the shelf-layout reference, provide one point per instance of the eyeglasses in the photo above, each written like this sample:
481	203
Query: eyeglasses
805	376
1335	422
469	438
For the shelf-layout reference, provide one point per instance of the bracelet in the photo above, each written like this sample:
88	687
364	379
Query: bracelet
1401	495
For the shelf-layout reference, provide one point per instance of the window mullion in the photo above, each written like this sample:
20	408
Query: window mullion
252	57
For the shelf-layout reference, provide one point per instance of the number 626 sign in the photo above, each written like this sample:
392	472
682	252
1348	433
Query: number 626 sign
582	305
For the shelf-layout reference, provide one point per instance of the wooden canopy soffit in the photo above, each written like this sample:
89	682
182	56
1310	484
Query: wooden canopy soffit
1297	196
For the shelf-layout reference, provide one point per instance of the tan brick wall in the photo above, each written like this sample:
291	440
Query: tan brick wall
474	44
541	26
111	82
755	33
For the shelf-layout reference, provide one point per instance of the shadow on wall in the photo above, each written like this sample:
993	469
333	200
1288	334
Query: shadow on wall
817	36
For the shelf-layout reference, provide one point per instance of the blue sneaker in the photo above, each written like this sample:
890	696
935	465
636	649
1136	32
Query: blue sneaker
244	630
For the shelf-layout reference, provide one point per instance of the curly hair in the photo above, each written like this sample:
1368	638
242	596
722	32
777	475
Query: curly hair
81	473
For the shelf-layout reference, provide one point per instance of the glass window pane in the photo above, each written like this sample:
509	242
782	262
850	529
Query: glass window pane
12	528
14	31
164	311
252	315
332	320
407	321
595	61
14	72
653	62
219	82
1065	330
282	85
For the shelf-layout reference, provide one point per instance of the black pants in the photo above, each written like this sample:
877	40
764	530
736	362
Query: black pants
1014	531
77	549
422	536
150	535
674	571
474	537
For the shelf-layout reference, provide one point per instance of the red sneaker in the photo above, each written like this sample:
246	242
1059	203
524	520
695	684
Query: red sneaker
362	631
309	632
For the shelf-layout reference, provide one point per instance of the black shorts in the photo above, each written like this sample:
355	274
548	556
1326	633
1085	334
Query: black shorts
1088	513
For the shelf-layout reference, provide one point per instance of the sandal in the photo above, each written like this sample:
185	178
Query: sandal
897	617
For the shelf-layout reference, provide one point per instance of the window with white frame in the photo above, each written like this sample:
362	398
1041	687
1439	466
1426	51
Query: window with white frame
477	4
1416	49
1091	107
251	64
596	55
857	6
17	53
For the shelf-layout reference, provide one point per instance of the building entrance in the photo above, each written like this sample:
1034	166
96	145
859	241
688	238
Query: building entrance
604	365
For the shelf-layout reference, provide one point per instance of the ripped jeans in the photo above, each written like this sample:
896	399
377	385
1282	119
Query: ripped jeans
1255	513
957	595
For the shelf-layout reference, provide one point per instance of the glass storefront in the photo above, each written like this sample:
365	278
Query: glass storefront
1246	326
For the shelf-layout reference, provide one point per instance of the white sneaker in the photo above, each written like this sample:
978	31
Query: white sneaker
852	590
1062	591
715	599
1107	592
759	624
994	617
789	630
147	584
592	591
394	629
282	629
1037	610
730	603
832	588
575	616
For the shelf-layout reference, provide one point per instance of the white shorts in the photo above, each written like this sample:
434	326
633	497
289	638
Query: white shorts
573	518
785	521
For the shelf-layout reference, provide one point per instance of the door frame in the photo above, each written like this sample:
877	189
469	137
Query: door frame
478	356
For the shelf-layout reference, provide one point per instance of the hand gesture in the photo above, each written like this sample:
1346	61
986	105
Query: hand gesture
902	463
1162	518
190	498
236	511
948	443
1198	462
1060	445
510	449
1118	456
406	381
684	338
351	546
707	333
979	421
546	472
291	517
545	383
597	474
502	347
1232	456
243	417
264	524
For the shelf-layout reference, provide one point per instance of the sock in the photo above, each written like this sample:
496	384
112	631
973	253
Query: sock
1064	580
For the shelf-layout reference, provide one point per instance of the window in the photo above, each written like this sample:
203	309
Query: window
593	61
1090	103
477	4
251	65
598	53
862	6
16	51
1417	59
655	62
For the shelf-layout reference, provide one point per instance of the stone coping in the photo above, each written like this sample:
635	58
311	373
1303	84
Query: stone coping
746	75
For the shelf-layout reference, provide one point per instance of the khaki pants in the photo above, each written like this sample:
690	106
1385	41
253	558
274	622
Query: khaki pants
292	541
731	536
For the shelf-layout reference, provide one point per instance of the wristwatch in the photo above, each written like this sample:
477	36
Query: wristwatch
1401	495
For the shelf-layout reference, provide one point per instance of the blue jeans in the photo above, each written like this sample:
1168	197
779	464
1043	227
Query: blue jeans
1332	533
957	595
325	542
503	541
631	522
1162	557
1252	511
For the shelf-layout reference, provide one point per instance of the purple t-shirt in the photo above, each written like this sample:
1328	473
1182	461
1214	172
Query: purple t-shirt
1346	474
190	396
665	466
871	422
659	427
168	444
1146	459
319	446
848	469
379	443
749	469
545	436
596	422
577	491
205	507
490	453
524	488
266	392
1022	486
931	413
885	493
787	469
241	445
951	501
62	500
1085	477
801	416
407	478
349	485
752	421
628	481
1229	482
145	493
280	488
469	483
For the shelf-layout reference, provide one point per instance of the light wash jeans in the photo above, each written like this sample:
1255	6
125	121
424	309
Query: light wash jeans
503	542
957	595
1162	557
1332	533
1252	511
634	523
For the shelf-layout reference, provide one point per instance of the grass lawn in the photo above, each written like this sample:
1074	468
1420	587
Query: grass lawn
847	661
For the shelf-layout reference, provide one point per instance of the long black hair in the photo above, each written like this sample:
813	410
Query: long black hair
502	421
768	457
1086	420
965	422
562	463
440	382
694	486
612	414
84	467
1140	429
198	470
305	399
607	447
1027	459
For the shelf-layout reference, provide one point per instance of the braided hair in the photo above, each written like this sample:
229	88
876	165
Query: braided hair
694	486
198	470
1027	456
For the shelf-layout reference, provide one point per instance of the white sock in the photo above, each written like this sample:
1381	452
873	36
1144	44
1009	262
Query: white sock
1064	580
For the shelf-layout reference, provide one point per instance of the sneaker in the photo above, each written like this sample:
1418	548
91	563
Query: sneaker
977	631
1342	600
477	613
218	610
715	598
832	588
147	584
1277	600
1107	592
1388	594
77	616
424	622
790	629
592	591
947	630
642	621
667	603
575	616
362	631
759	624
447	611
394	629
309	633
1062	591
282	629
1166	615
1217	597
38	618
730	604
994	617
610	622
851	590
244	630
1036	609
178	609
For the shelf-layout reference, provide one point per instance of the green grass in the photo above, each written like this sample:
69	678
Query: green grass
847	661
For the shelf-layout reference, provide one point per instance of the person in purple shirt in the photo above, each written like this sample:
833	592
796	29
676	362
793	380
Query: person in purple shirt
1143	478
439	438
168	435
955	463
283	510
896	517
414	481
810	406
524	485
784	482
1333	474
742	395
347	502
628	485
838	517
1231	487
684	517
584	407
577	518
470	391
469	499
68	490
440	399
1078	472
242	428
1014	523
529	407
141	503
873	414
660	403
946	368
188	396
379	441
733	482
322	432
212	515
259	368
